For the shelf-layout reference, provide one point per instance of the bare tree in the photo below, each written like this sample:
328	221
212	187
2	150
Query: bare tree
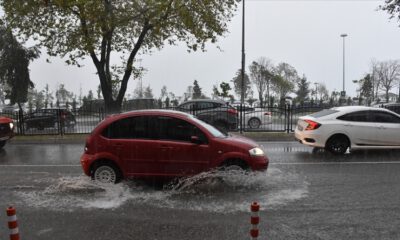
389	75
261	76
322	91
375	79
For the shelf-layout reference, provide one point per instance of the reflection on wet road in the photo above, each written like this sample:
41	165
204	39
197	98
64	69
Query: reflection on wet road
305	194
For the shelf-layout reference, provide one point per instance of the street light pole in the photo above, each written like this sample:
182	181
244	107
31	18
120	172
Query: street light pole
243	55
344	59
242	71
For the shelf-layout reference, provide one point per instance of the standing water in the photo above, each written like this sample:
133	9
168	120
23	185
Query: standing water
215	191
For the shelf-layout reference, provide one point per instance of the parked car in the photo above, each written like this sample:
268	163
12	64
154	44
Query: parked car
163	143
215	112
394	107
355	127
254	118
49	117
6	130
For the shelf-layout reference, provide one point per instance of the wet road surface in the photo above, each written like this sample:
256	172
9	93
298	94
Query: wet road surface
305	194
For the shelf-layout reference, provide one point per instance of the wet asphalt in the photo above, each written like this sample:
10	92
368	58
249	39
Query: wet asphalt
305	194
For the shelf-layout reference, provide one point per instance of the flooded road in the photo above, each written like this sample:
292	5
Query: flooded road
305	194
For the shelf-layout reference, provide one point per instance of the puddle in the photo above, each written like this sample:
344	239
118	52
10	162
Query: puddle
213	191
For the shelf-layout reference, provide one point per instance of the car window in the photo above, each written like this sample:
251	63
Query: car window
323	113
204	105
217	105
130	128
384	117
187	106
175	129
360	116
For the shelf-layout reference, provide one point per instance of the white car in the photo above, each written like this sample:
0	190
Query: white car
254	118
355	127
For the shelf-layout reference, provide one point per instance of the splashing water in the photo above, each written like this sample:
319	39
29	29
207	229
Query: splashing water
216	191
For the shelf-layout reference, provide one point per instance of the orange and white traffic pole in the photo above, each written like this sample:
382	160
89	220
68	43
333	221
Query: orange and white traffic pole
255	220
12	223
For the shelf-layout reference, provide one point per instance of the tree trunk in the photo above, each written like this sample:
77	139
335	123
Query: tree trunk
260	97
398	97
387	95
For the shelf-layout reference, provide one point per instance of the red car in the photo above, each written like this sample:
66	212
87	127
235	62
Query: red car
163	143
6	130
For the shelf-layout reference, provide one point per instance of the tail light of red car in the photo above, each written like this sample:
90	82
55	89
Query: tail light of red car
312	125
88	146
267	113
232	111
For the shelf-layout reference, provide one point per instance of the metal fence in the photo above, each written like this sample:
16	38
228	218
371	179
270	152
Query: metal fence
62	122
242	118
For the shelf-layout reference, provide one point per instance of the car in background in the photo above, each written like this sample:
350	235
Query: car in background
48	118
394	107
163	143
6	130
254	118
352	127
215	112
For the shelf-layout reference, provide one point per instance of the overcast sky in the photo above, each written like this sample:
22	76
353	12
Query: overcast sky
305	34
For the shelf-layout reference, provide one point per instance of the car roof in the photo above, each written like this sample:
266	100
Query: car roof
154	112
205	100
355	108
350	109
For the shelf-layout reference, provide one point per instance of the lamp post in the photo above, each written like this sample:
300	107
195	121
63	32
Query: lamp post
243	55
243	66
343	94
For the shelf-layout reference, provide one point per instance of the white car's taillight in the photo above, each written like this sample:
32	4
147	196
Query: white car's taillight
312	125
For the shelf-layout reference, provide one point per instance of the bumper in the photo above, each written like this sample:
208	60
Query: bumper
86	160
310	138
259	163
5	137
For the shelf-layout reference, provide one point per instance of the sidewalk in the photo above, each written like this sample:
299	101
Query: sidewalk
80	138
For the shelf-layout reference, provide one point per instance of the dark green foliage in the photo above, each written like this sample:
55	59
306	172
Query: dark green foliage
76	29
14	66
196	90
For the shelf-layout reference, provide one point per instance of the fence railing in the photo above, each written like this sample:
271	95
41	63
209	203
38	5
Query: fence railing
62	122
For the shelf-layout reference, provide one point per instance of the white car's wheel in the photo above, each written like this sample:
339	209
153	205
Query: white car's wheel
254	123
338	144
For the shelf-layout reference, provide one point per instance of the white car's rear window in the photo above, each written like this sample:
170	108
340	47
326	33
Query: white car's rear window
323	113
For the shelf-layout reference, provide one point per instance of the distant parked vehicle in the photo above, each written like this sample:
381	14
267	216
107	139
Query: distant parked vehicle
6	130
355	127
48	118
215	112
254	118
394	107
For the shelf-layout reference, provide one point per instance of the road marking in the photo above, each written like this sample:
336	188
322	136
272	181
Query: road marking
14	165
334	163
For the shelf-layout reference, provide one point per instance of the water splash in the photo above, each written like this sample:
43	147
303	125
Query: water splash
215	191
